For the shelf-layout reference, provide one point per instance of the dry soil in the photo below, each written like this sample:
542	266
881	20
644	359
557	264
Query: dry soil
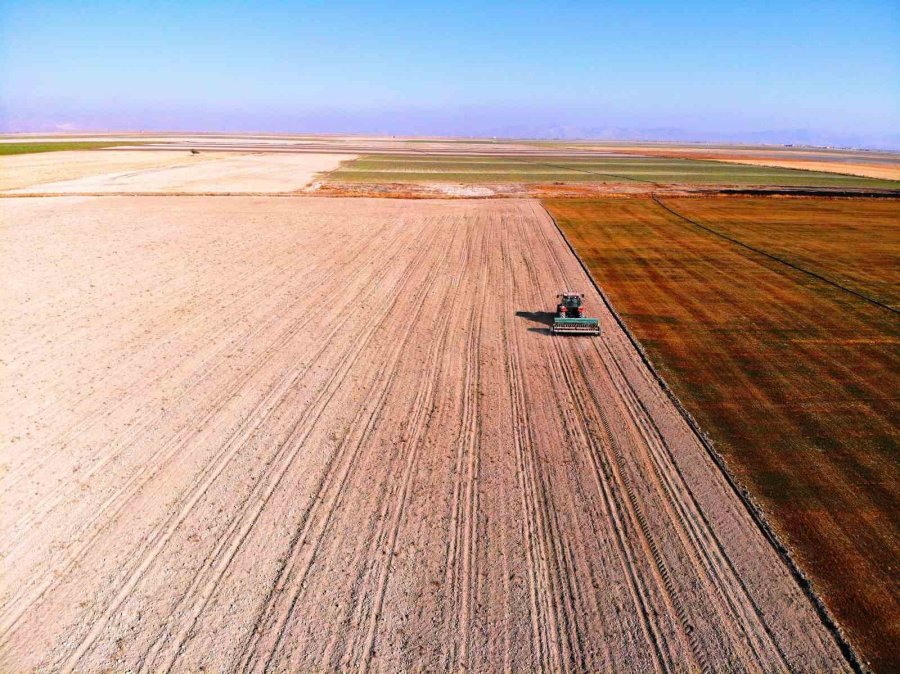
161	171
293	434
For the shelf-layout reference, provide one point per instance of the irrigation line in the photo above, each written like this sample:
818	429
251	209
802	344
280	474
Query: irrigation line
775	257
750	505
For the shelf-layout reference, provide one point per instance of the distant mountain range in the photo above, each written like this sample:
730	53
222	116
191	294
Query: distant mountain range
418	122
769	137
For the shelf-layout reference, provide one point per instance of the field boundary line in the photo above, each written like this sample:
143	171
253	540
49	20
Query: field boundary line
760	251
750	505
678	508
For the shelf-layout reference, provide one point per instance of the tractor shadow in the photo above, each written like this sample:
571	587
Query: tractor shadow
544	318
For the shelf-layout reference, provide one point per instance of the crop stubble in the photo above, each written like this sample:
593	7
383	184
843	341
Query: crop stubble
250	433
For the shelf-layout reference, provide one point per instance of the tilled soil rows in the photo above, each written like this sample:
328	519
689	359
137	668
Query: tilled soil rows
296	434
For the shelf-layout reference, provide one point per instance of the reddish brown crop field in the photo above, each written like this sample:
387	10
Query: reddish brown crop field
775	323
854	243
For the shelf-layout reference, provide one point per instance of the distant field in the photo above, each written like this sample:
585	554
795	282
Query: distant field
873	164
793	374
642	170
30	148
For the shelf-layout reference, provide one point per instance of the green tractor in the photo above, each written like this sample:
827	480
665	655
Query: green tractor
570	320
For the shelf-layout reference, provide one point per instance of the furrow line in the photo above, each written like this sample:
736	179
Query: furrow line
605	476
715	577
422	411
544	620
374	539
470	439
263	289
698	538
603	470
465	465
164	636
660	569
153	467
456	539
291	575
582	391
519	442
286	453
568	634
287	578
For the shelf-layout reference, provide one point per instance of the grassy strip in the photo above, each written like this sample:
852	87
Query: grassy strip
792	377
31	148
434	169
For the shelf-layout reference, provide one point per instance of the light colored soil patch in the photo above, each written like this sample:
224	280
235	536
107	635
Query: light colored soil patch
884	172
30	170
465	190
308	434
207	173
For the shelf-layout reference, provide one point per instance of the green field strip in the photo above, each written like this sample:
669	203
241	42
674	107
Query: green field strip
431	169
33	148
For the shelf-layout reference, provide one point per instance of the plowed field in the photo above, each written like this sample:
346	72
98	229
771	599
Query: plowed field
299	434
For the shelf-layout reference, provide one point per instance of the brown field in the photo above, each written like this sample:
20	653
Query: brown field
298	434
789	360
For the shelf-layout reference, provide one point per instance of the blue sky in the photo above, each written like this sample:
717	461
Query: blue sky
814	70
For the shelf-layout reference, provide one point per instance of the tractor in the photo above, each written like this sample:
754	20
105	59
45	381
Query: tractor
570	319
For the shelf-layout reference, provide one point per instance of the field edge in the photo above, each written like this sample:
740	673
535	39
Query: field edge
746	498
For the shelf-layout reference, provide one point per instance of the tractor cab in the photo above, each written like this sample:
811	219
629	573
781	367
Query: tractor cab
571	305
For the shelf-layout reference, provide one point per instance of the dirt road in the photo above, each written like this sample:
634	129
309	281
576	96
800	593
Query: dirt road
299	434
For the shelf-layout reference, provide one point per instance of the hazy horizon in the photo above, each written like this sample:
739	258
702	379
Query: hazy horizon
811	73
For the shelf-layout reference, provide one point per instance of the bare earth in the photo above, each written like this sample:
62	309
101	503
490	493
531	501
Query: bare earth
249	433
26	170
886	172
161	171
